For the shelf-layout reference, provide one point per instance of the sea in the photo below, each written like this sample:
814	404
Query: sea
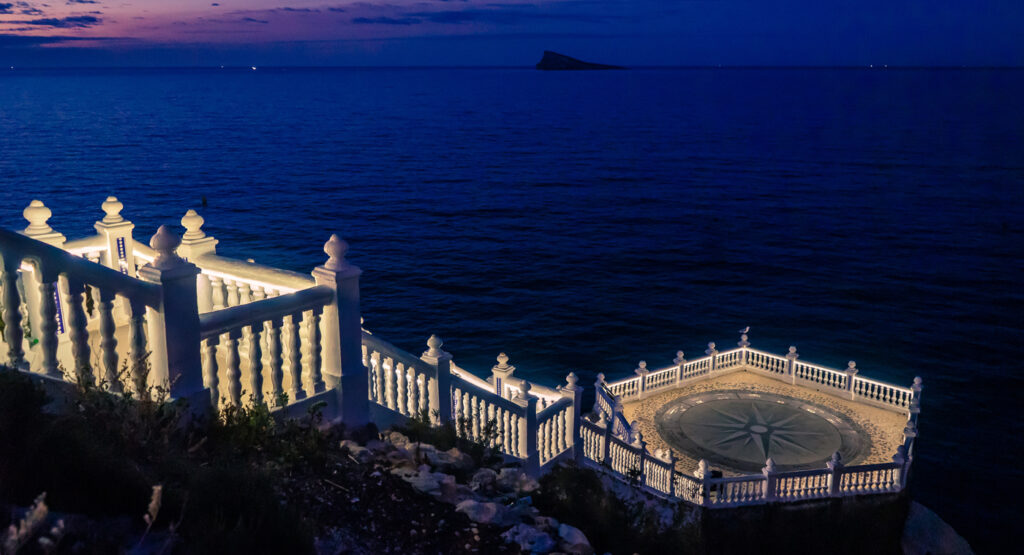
584	221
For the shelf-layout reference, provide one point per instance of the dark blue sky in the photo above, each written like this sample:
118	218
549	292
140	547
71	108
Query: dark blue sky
511	32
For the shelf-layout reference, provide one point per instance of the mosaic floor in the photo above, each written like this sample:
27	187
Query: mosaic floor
743	416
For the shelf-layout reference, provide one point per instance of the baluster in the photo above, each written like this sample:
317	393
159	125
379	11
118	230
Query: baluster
232	289
48	322
414	404
388	368
210	379
137	349
217	293
401	388
78	333
258	294
291	338
13	334
423	396
204	293
229	347
252	338
316	361
272	331
108	343
244	293
457	410
378	378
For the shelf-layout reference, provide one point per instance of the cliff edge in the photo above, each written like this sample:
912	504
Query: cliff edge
553	61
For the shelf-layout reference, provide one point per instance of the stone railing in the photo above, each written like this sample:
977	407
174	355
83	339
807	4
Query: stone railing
612	444
285	328
231	332
197	323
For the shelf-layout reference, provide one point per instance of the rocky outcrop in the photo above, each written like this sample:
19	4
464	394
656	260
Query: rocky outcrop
553	61
494	497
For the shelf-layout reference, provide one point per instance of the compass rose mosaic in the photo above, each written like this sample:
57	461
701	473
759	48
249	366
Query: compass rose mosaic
741	429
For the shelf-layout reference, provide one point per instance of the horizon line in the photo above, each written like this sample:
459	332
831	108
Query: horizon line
533	67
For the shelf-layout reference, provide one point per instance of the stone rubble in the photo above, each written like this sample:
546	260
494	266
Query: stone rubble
488	496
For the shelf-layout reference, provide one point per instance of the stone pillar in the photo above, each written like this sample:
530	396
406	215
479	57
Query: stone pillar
769	479
598	390
791	365
441	400
703	474
679	361
642	371
174	325
528	431
574	392
607	423
118	234
901	459
36	213
671	473
500	374
851	372
743	344
196	243
835	476
638	441
342	344
712	352
915	399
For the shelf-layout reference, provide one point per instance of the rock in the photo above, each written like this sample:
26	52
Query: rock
400	457
378	446
484	481
422	479
447	488
508	479
527	484
484	513
546	523
529	539
358	452
452	459
574	541
555	61
925	532
397	439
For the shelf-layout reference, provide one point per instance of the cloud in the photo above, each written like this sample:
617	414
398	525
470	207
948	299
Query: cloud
6	9
254	20
214	4
386	21
73	22
71	2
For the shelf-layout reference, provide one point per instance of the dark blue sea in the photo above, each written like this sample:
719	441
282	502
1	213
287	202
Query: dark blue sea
586	220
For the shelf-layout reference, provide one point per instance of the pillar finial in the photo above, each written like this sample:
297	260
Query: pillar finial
835	462
336	249
164	242
37	213
434	344
571	380
743	337
711	350
641	368
680	358
792	354
193	224
702	469
769	466
851	368
112	207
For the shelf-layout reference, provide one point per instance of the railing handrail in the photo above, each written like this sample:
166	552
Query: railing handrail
80	269
488	396
899	388
241	270
90	243
375	343
214	323
471	378
553	409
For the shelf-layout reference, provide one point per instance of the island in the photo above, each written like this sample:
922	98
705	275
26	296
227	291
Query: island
554	61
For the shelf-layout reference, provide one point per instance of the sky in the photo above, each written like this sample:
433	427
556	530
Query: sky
511	32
